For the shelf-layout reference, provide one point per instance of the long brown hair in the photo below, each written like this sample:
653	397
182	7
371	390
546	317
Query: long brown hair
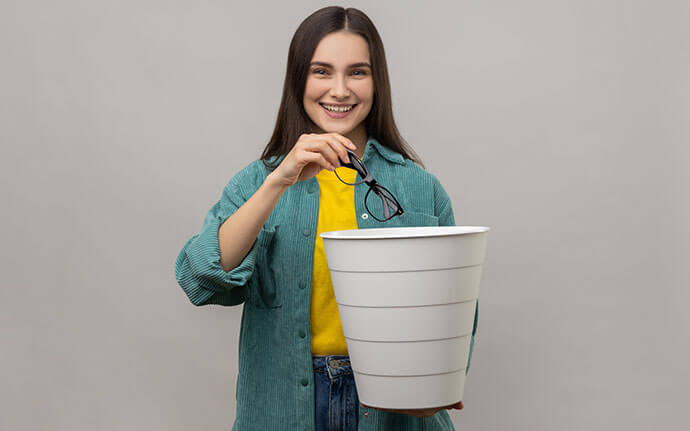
293	120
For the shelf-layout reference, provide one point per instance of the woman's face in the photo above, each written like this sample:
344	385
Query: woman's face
340	78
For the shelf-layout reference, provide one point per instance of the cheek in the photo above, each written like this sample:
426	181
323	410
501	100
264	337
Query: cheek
364	90
313	89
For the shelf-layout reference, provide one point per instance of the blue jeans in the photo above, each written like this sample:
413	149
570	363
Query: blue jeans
335	394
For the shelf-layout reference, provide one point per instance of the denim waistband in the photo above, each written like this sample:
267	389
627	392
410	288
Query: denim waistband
334	365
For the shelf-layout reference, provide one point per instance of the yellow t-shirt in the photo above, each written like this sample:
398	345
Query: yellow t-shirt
336	212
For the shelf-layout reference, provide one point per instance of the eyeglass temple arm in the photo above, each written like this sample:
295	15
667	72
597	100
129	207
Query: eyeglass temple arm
371	182
386	201
368	179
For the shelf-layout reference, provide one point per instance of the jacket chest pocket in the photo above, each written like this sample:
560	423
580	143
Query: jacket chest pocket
264	291
412	219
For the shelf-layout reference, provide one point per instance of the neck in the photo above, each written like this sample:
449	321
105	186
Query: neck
359	137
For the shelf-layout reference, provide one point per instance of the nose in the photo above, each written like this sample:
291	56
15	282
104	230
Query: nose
339	90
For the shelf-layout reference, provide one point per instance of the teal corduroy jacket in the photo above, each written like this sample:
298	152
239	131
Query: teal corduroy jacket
275	380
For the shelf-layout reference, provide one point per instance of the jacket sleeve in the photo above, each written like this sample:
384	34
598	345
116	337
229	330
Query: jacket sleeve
443	209
197	268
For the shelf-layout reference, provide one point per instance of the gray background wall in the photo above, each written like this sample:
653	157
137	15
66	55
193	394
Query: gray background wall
562	125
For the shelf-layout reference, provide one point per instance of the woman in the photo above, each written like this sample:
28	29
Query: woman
260	242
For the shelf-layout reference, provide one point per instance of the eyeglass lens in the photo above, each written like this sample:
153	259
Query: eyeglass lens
383	208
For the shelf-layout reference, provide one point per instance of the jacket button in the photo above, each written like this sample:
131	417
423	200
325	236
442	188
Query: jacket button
305	382
311	189
302	334
302	285
306	232
365	216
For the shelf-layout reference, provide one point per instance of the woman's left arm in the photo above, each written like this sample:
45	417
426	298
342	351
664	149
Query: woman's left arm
443	209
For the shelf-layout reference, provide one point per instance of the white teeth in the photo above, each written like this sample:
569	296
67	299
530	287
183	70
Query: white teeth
338	108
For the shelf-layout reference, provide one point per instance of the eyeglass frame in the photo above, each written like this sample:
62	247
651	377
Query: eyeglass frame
373	185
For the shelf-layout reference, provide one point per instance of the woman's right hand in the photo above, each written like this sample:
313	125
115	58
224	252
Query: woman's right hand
310	154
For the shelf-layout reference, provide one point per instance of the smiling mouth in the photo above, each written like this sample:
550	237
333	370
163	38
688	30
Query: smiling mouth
338	109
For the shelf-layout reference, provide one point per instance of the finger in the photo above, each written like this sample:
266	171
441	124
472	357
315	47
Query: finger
346	143
340	148
329	148
313	157
319	144
304	140
419	413
345	140
422	413
459	405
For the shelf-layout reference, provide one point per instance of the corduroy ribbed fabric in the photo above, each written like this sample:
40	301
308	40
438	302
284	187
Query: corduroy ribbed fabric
275	380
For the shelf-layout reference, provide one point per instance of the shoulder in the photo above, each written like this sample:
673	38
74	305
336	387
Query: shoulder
418	174
429	182
420	178
402	165
250	177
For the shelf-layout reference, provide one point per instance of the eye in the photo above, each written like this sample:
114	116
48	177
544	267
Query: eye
361	72
318	71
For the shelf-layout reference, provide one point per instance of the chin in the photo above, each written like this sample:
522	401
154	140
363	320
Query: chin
339	130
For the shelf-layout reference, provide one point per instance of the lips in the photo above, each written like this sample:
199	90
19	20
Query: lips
338	115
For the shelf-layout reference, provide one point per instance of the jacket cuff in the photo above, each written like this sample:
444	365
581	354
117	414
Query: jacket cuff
204	258
199	270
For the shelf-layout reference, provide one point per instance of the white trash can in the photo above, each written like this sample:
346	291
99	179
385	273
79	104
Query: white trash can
407	298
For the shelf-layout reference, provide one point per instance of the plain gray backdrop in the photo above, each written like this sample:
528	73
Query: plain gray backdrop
562	125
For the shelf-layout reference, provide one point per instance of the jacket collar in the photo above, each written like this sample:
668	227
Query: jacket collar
385	152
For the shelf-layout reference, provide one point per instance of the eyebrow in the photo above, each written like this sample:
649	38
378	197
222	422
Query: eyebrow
321	63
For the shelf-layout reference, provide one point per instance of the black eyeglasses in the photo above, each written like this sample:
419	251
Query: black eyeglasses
389	204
